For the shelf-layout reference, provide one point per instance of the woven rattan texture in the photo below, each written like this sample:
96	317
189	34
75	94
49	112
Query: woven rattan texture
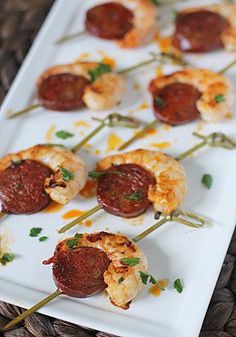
20	20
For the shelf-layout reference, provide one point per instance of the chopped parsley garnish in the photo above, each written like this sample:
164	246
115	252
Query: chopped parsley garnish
121	279
71	243
52	144
35	231
178	286
146	277
132	261
155	2
6	258
219	98
135	196
43	238
66	175
159	101
97	174
99	70
207	180
64	134
16	162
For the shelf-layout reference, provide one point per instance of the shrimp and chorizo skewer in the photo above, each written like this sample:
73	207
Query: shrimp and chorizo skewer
129	182
61	175
185	95
86	264
206	28
68	87
124	21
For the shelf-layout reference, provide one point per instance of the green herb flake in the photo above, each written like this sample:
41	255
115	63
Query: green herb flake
155	2
43	238
144	277
99	70
97	174
78	236
207	180
219	98
72	243
35	231
135	196
6	258
16	162
64	134
132	261
152	280
52	144
121	279
66	175
178	286
148	278
159	101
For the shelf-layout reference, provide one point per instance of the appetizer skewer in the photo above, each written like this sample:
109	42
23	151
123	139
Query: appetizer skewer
100	261
124	21
68	87
129	182
182	96
206	28
61	175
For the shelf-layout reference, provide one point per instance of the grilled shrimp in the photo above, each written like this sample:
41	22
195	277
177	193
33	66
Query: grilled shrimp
104	93
69	175
144	22
228	11
210	84
123	281
170	188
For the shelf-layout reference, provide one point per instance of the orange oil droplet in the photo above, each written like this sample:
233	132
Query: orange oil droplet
159	71
88	223
155	290
96	152
151	131
50	132
113	142
81	123
144	106
89	189
162	145
72	214
109	60
53	207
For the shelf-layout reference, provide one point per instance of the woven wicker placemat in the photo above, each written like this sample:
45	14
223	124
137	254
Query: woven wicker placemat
20	20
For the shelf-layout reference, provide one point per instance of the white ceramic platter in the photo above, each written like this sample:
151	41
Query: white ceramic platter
174	251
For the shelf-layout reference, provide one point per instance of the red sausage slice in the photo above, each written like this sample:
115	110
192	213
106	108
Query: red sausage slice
109	21
175	103
62	92
125	194
199	31
79	272
22	187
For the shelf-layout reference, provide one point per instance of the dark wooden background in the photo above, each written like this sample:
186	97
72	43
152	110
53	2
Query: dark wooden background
20	21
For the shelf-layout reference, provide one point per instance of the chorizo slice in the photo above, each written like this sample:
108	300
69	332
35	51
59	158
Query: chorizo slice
175	103
62	92
123	190
199	31
78	272
22	187
109	21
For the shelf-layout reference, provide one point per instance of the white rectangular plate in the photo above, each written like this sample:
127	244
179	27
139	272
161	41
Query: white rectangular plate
174	251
